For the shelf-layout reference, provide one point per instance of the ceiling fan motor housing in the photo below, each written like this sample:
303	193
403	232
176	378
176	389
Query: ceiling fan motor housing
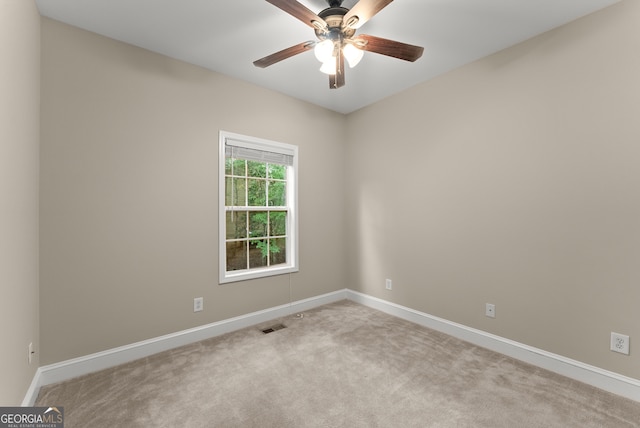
333	16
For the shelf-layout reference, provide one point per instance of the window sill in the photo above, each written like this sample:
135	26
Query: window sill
246	275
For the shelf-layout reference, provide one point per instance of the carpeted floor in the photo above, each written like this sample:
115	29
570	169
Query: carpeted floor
341	365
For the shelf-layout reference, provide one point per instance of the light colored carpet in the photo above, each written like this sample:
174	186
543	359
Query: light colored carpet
342	365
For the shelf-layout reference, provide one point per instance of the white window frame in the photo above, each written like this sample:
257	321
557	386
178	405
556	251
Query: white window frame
292	204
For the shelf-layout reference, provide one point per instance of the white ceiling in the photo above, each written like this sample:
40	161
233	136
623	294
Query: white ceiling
227	36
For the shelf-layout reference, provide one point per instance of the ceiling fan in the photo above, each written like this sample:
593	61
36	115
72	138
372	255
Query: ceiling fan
335	28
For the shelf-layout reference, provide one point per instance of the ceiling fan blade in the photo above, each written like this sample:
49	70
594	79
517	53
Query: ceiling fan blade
388	47
337	80
298	10
283	54
363	11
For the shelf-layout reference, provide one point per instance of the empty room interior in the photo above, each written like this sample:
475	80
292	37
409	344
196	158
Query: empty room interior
492	208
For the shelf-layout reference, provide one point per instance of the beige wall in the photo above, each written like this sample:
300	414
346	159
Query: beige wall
129	232
514	180
19	139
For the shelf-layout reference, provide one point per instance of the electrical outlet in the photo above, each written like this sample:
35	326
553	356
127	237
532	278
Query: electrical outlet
198	304
490	310
620	343
389	284
30	352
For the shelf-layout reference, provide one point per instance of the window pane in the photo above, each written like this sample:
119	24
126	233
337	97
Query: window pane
257	193
277	171
258	252
258	224
277	223
234	167
236	224
256	169
236	255
277	193
257	209
235	191
278	251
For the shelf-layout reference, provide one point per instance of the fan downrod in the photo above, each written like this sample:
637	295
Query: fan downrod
334	3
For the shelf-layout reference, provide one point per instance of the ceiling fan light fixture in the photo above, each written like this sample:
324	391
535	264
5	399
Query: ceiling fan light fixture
329	66
352	54
324	50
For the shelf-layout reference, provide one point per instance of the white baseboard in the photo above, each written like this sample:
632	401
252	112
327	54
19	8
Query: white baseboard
603	379
32	393
591	375
69	369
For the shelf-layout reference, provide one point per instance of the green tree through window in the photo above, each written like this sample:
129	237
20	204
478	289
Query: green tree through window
258	212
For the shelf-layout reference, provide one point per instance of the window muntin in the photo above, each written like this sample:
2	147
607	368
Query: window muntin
258	205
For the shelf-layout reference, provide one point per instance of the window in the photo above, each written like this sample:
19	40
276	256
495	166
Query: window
258	208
